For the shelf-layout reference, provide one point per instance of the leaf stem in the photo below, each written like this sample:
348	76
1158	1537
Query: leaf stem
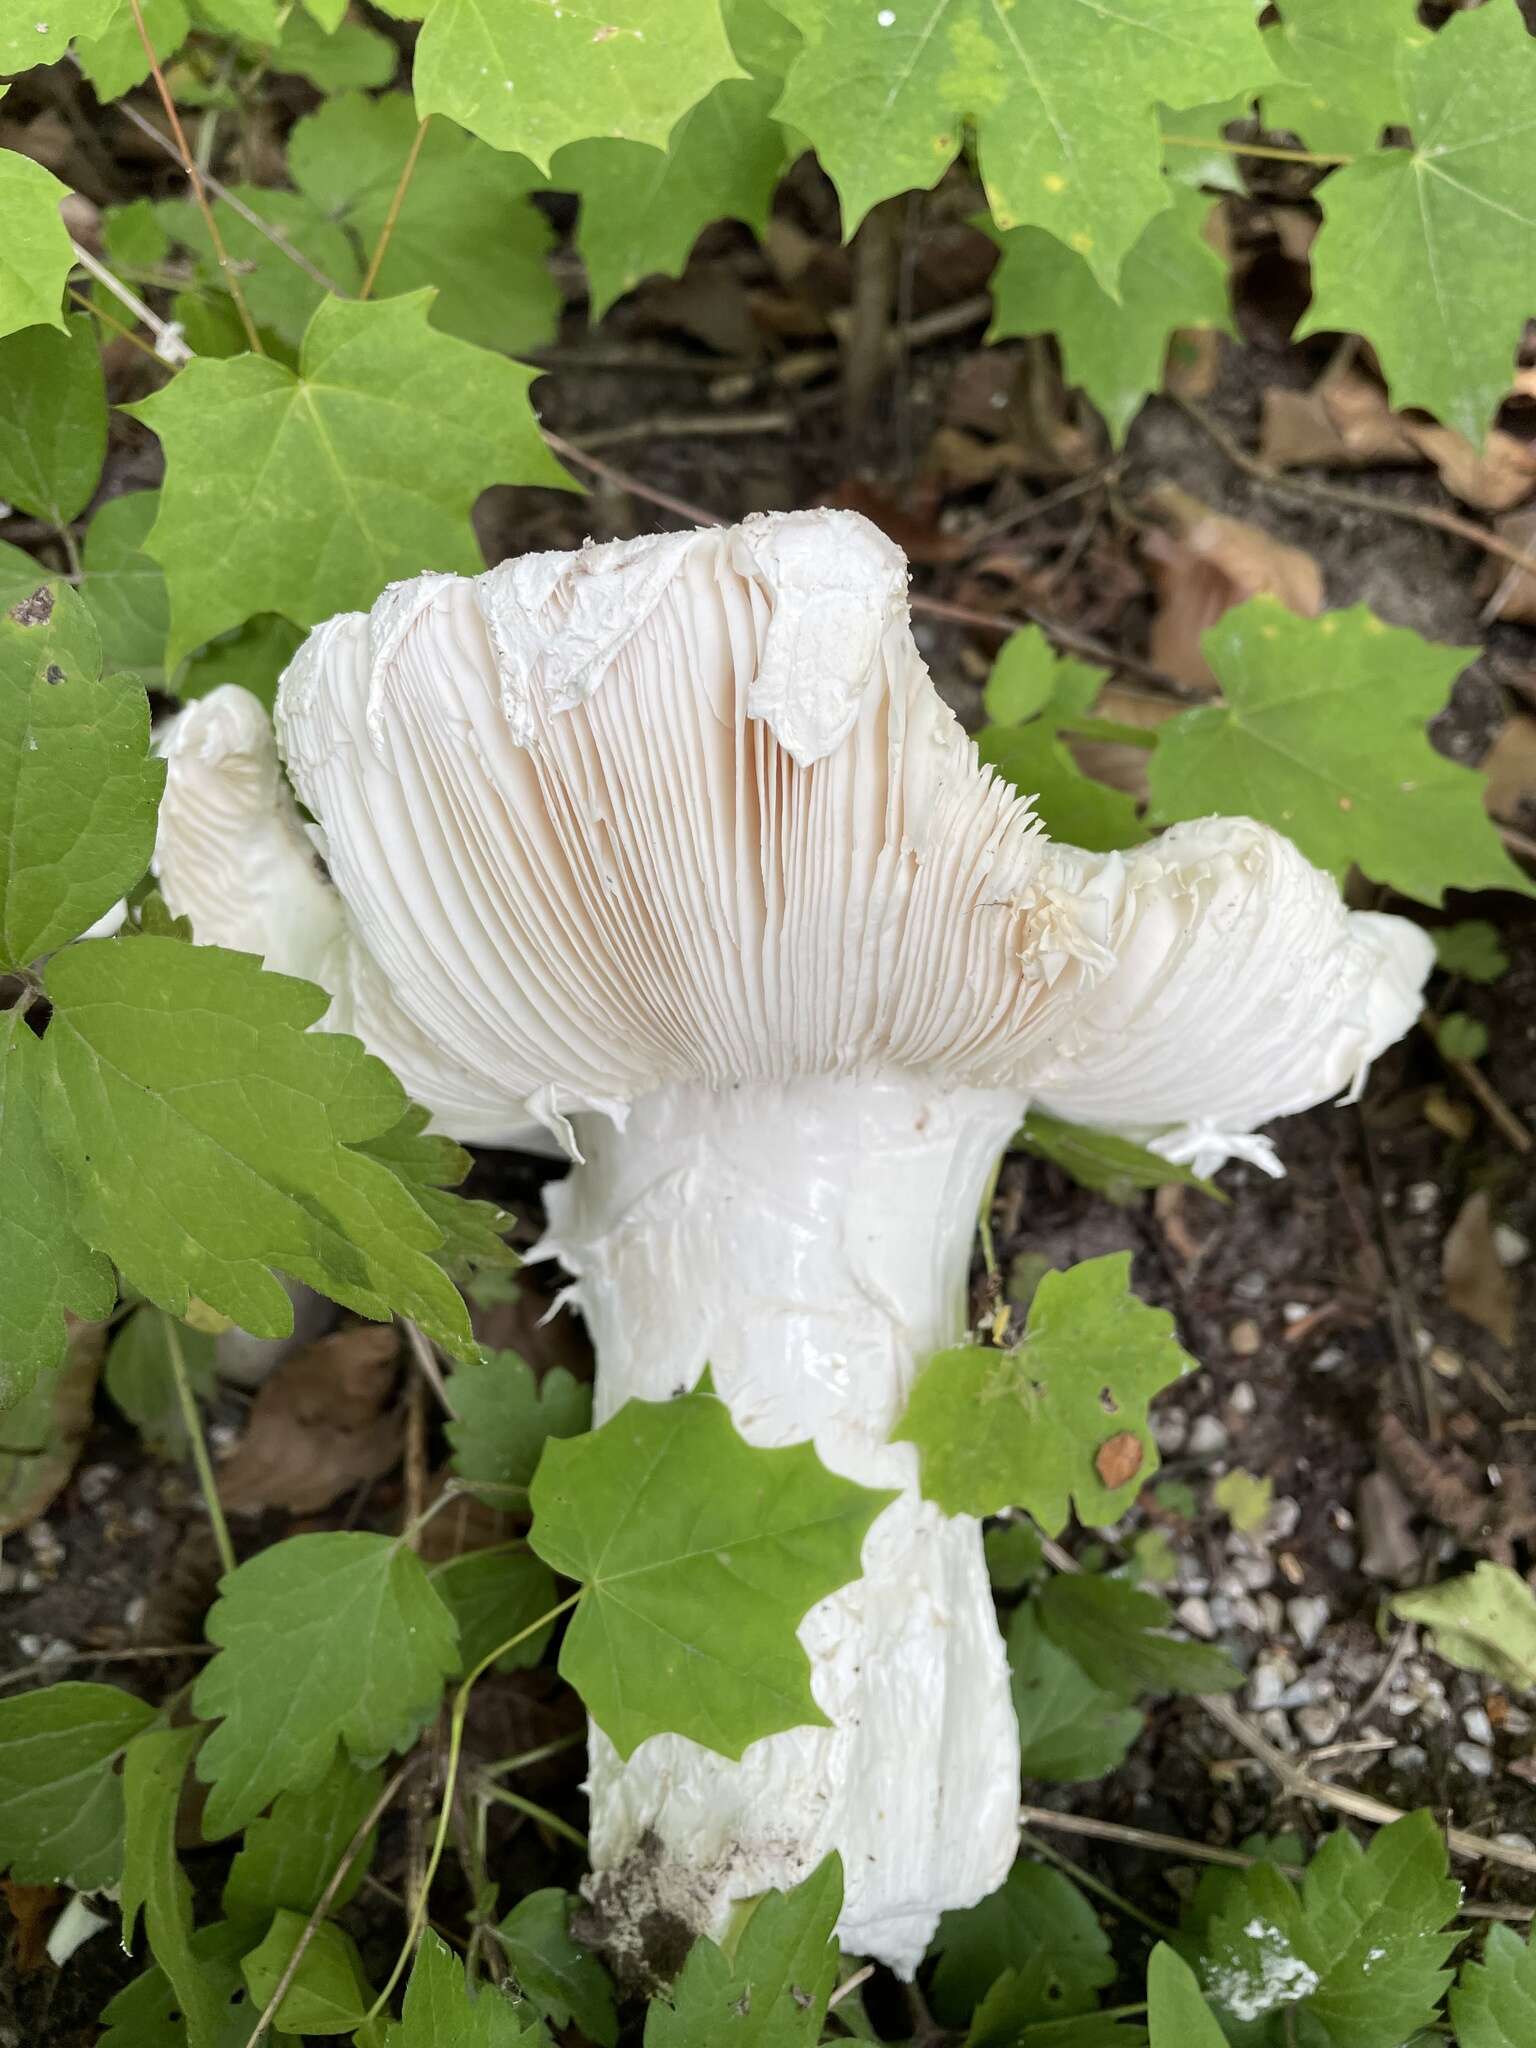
397	200
541	1814
526	1757
1093	1884
200	1457
1264	149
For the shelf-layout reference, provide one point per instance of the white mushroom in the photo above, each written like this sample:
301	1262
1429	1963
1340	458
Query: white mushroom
672	847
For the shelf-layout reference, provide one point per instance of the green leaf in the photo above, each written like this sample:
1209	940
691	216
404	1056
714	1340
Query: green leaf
1341	84
289	1856
466	225
281	296
352	57
148	2012
1114	350
1461	1037
431	1167
1115	1632
885	93
124	589
133	238
1070	1729
139	1378
997	2026
493	1596
503	1417
1039	1927
1427	251
61	1799
1030	695
1244	1499
45	1267
35	255
154	1771
20	575
559	1977
1322	736
30	36
1014	1556
328	1638
1494	2005
359	469
53	418
78	789
1040	1427
772	1991
700	1556
328	1993
1177	2015
254	656
1484	1621
441	2011
1097	1159
1471	948
115	61
200	1060
529	77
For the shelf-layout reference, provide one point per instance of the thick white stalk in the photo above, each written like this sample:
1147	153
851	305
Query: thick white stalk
809	1242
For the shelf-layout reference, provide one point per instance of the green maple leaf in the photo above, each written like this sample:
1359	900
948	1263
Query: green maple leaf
1494	2005
154	1770
53	418
531	77
78	791
772	1990
1030	696
1116	1633
61	1799
466	225
1070	1729
884	94
1428	251
333	481
124	588
502	1418
441	2010
202	1062
700	1557
1038	1925
1322	736
1028	1428
289	1856
1114	350
1177	2015
41	35
1340	85
35	256
494	1597
554	1972
148	2013
327	1994
115	60
322	1639
342	60
281	296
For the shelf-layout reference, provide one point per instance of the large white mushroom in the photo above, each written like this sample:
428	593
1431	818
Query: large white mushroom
670	849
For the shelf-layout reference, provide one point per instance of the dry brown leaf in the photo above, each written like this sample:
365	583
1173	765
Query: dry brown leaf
1193	362
1203	563
1387	1547
1118	1460
319	1426
1476	1283
41	1436
1514	590
1509	767
1495	477
32	1908
1343	422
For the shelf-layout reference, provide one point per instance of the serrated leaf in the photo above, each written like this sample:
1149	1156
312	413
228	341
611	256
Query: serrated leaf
1039	1927
1062	1418
115	61
200	1060
1097	1159
53	418
281	296
1322	736
124	588
359	469
1494	2005
441	2011
343	61
1115	1632
466	225
1030	696
35	256
559	1977
328	1993
1014	1555
772	1991
61	1799
148	2012
494	1596
1069	1728
337	1638
1461	1037
700	1556
1177	2014
529	77
1340	85
30	35
1427	251
1115	351
1471	948
78	789
1245	1499
432	1167
140	1380
1484	1621
289	1855
885	94
996	2026
154	1771
503	1416
254	656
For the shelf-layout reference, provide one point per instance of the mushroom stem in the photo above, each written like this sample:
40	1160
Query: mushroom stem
808	1241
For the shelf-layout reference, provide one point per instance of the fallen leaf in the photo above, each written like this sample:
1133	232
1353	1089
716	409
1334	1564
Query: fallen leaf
1476	1284
1244	1499
1494	478
1343	422
41	1436
1514	591
1204	563
1387	1547
1194	362
1118	1460
319	1426
1484	1621
32	1908
1509	767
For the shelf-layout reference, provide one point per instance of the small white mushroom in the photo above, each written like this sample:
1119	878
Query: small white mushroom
671	847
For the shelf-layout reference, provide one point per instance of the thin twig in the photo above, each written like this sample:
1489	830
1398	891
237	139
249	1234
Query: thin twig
427	1365
397	200
1264	149
690	426
1144	1838
118	327
620	479
1068	636
170	343
46	1664
1091	1883
849	1985
538	1755
1476	1082
199	1443
533	1811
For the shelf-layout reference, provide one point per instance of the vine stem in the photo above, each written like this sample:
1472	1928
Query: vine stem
533	1811
397	200
1264	149
1091	1883
118	327
200	1457
170	344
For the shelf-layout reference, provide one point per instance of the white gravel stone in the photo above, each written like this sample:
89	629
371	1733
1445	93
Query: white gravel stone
1270	1677
1242	1398
1195	1615
1208	1436
1476	1761
1308	1615
1478	1726
1321	1723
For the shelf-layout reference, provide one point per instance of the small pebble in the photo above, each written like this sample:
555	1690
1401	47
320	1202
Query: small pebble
1256	1574
1341	1553
1478	1726
1476	1761
1284	1517
1208	1436
1309	1691
1245	1614
96	1482
1512	1247
1245	1338
1422	1197
1268	1680
1408	1756
1515	1721
1329	1359
1273	1613
1170	1426
1279	1730
1512	1840
1251	1286
1296	1311
1243	1399
1194	1614
1322	1723
1308	1616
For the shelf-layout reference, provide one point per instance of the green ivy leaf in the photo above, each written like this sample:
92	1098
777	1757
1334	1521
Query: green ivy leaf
1177	2015
1427	251
1039	1927
124	589
1115	350
154	1771
1494	2005
1322	736
53	418
1471	948
772	1991
200	1060
503	1417
344	61
1070	1729
1030	696
139	1378
115	60
441	2011
289	1856
78	790
1097	1159
1338	66
61	1799
1115	1633
885	93
329	1638
1064	1409
1483	1621
529	77
559	1977
700	1556
492	1597
466	225
148	2012
35	255
281	296
359	469
328	1993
